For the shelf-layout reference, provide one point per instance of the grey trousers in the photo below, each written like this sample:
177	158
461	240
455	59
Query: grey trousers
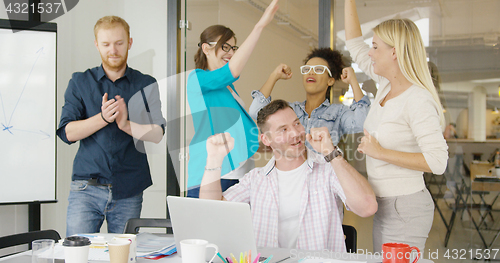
403	219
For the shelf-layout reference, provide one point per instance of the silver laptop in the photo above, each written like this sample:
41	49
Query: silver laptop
225	224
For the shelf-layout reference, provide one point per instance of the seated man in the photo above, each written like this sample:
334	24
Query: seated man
293	196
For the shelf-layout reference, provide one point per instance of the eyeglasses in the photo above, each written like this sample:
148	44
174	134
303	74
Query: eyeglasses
226	47
318	69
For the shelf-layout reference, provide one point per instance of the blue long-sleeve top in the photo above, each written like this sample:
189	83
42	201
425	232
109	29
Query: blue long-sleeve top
338	118
110	155
215	110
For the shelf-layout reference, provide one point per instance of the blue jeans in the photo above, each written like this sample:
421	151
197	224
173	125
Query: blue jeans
89	205
224	183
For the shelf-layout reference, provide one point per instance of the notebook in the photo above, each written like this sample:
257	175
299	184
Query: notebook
225	224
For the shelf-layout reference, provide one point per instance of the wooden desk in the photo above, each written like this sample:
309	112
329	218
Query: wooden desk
485	170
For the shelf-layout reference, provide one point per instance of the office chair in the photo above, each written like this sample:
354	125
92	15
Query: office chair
27	238
133	224
351	241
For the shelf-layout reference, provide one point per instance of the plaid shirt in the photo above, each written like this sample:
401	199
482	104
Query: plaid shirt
320	224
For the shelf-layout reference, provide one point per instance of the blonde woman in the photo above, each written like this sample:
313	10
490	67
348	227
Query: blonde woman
403	129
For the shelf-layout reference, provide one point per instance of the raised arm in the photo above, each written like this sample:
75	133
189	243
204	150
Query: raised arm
218	146
360	197
352	26
262	97
240	58
282	71
349	77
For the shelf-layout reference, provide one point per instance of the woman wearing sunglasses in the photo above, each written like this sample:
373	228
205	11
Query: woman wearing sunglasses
323	66
403	136
216	106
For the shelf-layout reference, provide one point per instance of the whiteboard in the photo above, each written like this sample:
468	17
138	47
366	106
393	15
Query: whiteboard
27	113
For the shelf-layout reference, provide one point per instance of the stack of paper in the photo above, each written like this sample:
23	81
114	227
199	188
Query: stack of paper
152	246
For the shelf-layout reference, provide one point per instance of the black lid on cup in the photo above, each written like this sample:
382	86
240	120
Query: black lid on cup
76	241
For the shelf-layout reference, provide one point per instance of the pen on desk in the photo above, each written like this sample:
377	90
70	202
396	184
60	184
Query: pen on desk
221	258
268	259
233	258
282	260
257	258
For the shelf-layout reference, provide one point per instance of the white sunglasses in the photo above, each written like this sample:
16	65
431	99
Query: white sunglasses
318	69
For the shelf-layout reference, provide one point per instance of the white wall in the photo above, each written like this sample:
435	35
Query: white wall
76	52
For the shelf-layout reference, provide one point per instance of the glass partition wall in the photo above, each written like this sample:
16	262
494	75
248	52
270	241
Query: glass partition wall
461	38
286	40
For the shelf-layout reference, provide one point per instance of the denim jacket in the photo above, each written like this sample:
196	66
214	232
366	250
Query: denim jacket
338	118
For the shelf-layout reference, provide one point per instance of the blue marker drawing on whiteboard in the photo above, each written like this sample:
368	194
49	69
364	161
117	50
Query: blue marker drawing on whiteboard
8	127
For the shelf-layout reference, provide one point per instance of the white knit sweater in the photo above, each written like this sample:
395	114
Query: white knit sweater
407	123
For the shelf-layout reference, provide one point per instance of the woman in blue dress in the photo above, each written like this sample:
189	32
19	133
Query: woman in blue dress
216	106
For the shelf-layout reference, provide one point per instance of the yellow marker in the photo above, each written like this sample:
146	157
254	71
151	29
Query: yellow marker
98	246
241	257
233	258
245	257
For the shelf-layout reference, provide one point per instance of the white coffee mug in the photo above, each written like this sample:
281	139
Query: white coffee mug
76	249
194	250
133	246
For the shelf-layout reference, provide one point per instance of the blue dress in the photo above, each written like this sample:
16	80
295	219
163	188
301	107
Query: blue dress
215	110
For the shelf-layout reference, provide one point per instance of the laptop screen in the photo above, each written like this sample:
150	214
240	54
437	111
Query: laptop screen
225	224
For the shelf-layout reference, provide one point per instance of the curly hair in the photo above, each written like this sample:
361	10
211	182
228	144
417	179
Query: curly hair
332	57
335	64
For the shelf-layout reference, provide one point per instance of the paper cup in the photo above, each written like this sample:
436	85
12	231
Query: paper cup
133	246
119	250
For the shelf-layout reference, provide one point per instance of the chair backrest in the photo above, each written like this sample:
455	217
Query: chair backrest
351	238
28	237
134	224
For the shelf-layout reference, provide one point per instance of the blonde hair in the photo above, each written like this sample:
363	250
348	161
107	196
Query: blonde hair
404	36
110	22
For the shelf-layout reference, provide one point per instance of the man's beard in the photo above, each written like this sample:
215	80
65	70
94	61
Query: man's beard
115	64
